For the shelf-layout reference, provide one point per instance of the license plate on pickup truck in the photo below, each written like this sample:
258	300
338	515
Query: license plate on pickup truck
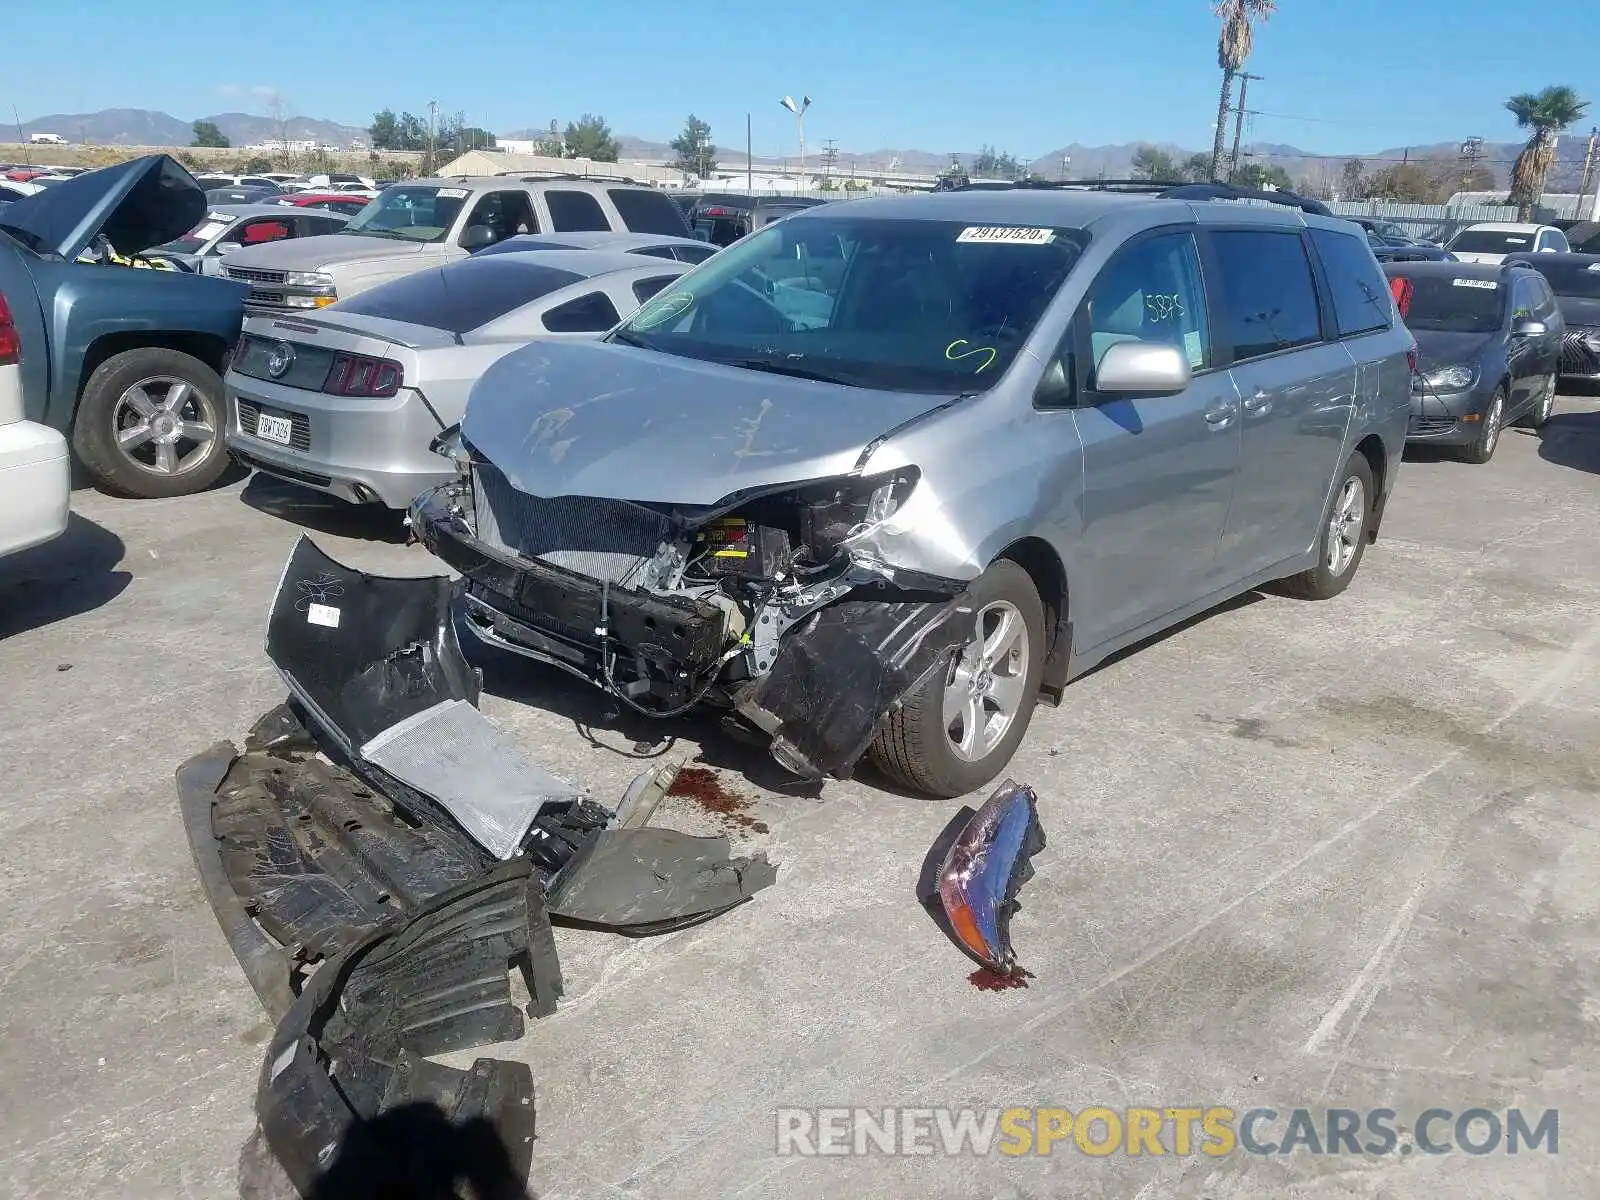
274	429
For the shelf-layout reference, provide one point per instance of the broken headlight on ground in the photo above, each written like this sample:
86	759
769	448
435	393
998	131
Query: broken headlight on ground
985	867
667	610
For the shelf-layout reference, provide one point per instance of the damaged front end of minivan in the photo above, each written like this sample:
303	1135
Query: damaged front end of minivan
775	604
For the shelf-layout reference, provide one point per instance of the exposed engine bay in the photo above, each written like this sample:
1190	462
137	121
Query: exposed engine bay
668	609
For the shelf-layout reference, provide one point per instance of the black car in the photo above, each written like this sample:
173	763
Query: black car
1575	280
1488	350
1417	252
723	219
1383	233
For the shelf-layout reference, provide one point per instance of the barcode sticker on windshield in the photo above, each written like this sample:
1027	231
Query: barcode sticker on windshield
1487	285
453	193
210	230
1006	235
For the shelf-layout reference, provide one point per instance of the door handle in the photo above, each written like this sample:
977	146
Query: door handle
1222	415
1259	404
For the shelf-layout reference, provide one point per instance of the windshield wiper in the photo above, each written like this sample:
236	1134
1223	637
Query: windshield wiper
388	233
629	339
778	368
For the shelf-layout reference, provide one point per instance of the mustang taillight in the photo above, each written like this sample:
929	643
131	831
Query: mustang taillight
10	342
360	375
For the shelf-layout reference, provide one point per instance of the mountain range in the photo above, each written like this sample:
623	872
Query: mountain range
145	127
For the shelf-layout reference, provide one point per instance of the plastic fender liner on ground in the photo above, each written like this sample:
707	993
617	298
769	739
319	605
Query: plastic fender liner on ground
842	670
346	1094
645	881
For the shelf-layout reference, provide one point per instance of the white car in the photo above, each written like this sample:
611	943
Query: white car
1491	241
35	476
346	400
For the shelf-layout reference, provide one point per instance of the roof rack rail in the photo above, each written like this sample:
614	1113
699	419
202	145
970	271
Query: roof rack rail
546	176
1174	189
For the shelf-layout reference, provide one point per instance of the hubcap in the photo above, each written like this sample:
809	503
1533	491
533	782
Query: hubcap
164	426
984	690
1491	424
1346	524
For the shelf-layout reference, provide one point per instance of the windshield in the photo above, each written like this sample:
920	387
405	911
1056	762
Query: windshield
193	241
1581	281
894	304
1491	241
1449	304
419	214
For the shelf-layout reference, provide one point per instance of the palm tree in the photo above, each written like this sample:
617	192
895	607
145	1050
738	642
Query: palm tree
1547	114
1233	47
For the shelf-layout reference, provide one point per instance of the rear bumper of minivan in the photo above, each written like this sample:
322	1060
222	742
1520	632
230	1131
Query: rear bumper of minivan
35	485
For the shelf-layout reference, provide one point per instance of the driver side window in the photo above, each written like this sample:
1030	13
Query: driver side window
506	213
1521	301
1151	292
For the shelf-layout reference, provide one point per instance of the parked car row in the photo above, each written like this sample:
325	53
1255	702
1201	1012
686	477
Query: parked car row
777	478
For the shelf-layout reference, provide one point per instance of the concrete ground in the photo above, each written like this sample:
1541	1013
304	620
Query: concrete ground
1300	856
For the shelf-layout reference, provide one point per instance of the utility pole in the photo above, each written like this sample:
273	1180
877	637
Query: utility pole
1588	173
433	114
830	155
749	160
1238	121
1471	152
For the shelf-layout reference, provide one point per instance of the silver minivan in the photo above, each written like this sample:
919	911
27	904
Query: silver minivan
877	478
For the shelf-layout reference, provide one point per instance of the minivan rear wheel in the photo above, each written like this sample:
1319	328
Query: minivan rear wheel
959	729
1343	536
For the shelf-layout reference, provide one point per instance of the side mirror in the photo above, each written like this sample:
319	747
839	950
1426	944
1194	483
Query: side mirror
1142	368
226	247
1529	329
477	237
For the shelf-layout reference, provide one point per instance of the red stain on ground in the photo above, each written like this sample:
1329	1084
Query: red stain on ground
706	789
986	980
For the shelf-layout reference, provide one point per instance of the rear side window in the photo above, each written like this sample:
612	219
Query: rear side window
576	212
463	296
695	254
655	251
1269	302
643	289
645	211
593	313
1360	296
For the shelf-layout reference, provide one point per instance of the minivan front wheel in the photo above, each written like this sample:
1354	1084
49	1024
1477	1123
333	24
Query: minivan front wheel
1343	535
961	727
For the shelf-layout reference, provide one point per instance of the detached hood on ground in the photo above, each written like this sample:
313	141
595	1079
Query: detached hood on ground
620	423
138	204
1437	349
1578	310
325	249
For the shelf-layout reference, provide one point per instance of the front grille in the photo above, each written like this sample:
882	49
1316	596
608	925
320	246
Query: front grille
273	298
1578	353
608	540
249	275
1422	425
300	424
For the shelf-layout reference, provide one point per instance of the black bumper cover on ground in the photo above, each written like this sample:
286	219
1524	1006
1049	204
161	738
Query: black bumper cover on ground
348	1102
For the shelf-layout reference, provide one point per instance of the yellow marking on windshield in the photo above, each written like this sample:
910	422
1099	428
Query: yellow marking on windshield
950	353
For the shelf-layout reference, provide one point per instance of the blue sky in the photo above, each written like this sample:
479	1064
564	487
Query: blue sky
1343	76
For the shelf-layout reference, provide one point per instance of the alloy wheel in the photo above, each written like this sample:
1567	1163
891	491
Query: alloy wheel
984	690
164	425
1346	524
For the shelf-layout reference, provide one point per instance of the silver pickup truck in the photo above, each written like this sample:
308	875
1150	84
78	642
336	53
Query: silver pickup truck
429	222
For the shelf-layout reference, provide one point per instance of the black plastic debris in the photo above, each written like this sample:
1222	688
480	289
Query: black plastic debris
347	1094
845	668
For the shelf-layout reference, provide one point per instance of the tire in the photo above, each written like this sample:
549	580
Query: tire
1543	407
1482	450
916	746
129	392
1345	522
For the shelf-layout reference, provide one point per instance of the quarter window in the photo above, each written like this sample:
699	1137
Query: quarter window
1269	302
643	289
1361	300
1152	292
576	212
593	313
